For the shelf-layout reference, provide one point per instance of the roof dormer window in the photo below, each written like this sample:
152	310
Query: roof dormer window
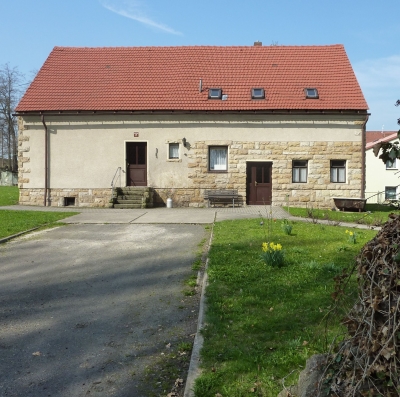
215	93
257	93
311	93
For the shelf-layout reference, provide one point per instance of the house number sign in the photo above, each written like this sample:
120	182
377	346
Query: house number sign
136	134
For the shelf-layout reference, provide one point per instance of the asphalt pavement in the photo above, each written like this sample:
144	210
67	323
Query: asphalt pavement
87	309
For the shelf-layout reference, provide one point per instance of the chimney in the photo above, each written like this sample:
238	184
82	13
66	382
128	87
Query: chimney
257	43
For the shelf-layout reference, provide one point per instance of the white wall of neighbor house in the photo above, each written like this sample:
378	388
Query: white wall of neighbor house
85	151
379	177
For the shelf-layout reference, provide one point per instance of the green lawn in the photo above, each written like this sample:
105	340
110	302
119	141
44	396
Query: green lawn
13	222
262	322
375	214
8	195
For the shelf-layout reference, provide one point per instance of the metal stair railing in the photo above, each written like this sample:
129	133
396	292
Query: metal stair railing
117	176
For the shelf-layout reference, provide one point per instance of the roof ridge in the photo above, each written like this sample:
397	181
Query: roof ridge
286	46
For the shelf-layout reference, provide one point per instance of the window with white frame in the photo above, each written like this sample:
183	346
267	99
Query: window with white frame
173	151
218	158
391	164
390	193
299	171
338	171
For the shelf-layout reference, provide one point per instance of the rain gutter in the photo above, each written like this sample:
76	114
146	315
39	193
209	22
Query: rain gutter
363	166
46	143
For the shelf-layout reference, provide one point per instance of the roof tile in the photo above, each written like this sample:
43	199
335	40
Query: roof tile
167	78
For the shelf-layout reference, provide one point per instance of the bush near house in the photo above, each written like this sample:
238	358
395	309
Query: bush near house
263	322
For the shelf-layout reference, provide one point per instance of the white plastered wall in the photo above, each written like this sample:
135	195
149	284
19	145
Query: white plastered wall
378	177
85	151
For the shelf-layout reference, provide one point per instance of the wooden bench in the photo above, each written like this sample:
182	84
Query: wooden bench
221	196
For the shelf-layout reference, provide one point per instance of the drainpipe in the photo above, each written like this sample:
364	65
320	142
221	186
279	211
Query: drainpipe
363	140
46	141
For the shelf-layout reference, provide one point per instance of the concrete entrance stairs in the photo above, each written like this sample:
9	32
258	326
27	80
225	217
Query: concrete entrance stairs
133	197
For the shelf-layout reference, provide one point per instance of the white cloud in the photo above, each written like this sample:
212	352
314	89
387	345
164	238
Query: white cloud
132	9
380	81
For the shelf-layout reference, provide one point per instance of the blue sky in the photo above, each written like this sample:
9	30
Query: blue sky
369	30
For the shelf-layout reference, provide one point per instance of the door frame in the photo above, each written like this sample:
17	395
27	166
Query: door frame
126	162
249	180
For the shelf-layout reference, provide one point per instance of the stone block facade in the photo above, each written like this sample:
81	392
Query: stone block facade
23	155
318	191
57	197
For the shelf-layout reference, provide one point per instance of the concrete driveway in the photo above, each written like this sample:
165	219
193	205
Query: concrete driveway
90	309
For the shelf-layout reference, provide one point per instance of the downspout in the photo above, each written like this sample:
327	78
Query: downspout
363	140
46	140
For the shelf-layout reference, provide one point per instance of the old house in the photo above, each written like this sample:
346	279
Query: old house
279	123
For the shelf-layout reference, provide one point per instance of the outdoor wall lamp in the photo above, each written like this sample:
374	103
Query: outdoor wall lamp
184	142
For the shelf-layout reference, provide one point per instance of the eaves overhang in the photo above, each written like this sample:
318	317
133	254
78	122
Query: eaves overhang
178	111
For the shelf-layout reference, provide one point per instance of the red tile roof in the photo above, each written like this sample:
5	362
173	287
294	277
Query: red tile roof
373	137
167	78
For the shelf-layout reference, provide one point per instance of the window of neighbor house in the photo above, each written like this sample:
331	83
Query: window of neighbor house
173	151
311	93
218	158
299	171
390	193
338	171
257	93
391	164
215	93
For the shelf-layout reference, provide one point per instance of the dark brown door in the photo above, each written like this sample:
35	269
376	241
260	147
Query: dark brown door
136	163
259	185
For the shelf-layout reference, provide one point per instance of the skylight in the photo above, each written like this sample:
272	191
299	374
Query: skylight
311	93
257	93
215	93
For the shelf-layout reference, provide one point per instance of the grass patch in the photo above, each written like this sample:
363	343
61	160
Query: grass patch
13	222
263	322
375	214
9	195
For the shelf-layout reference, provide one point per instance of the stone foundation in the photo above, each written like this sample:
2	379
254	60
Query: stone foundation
185	197
56	197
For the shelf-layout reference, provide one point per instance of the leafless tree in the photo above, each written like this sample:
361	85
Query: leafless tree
12	85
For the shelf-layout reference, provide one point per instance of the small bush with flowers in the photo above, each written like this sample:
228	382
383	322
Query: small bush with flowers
352	236
273	254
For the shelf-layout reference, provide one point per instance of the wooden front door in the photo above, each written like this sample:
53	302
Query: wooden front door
136	163
259	184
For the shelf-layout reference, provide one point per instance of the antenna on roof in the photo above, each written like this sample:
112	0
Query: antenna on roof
383	125
201	85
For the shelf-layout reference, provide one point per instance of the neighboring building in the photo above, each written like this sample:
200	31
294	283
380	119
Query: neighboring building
382	180
279	123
